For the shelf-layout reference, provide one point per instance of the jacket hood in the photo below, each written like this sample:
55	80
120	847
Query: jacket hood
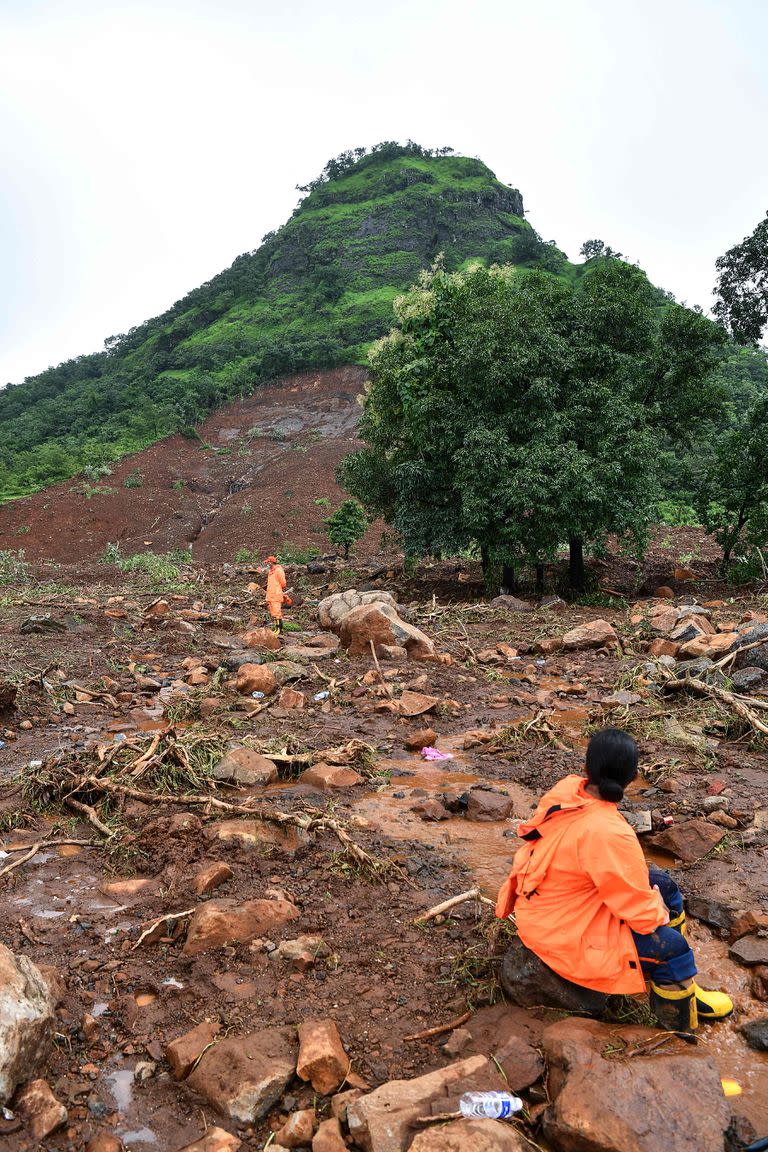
567	795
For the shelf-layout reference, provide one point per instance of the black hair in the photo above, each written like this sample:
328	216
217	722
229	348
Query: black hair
612	758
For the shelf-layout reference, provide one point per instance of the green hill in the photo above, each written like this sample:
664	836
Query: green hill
314	294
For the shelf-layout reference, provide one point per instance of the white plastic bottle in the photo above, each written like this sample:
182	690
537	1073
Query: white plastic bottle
494	1105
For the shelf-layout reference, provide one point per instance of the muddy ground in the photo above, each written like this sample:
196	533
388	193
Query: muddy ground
112	681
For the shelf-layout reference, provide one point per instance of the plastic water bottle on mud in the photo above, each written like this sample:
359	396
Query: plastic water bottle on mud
493	1105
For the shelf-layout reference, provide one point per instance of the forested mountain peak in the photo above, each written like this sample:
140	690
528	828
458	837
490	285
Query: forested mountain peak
315	293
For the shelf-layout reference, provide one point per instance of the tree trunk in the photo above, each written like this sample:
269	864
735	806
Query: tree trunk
485	560
576	563
508	579
539	579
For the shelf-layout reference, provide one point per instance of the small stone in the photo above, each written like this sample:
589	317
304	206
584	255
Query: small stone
420	738
243	1077
184	1051
211	876
322	1059
291	699
214	1140
298	1130
255	678
341	1101
245	766
485	804
662	647
750	950
594	634
41	1110
263	638
107	1142
472	1135
755	1032
759	982
723	820
431	809
416	703
664	592
329	776
220	922
329	1137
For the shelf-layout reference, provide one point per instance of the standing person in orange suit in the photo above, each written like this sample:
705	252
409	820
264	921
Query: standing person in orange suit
276	596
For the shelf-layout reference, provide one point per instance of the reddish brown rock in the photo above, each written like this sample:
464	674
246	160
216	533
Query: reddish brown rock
341	1102
750	950
42	1112
476	1135
662	647
549	645
244	766
594	634
210	877
298	1130
711	646
431	809
759	982
128	890
602	1104
664	592
244	1076
220	922
690	840
683	575
329	776
214	1140
416	703
292	699
184	1051
484	804
322	1059
329	1137
249	833
663	618
263	638
255	678
104	1141
158	609
383	1120
421	738
379	623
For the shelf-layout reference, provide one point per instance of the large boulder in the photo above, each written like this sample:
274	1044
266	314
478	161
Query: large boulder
689	840
604	1102
244	1076
527	982
332	610
362	618
26	1021
382	1121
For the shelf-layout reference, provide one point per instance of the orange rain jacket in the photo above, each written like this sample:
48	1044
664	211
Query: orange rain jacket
577	887
275	590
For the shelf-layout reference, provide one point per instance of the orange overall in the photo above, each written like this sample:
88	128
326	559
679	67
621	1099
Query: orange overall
276	591
579	887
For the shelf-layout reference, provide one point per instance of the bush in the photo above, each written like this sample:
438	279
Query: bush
160	569
678	515
134	479
13	567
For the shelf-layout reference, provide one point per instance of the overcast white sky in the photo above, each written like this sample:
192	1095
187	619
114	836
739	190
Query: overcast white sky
143	146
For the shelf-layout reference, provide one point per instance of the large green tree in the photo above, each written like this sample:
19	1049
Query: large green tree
742	286
516	411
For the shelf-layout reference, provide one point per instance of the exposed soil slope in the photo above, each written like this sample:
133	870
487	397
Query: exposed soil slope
253	481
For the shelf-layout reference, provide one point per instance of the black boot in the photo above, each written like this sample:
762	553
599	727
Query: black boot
675	1008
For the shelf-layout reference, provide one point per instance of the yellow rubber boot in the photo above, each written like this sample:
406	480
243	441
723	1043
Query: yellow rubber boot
675	1009
712	1005
679	924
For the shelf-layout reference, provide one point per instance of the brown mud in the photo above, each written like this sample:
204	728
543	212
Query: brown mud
516	727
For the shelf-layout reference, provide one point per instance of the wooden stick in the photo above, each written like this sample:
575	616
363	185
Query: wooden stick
167	919
90	815
470	894
438	1031
386	686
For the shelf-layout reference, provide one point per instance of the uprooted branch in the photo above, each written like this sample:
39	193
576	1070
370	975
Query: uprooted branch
743	706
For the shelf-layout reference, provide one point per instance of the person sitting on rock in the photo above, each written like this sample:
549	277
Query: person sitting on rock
586	903
276	596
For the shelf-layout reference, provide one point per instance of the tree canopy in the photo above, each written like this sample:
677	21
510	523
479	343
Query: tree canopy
742	286
515	411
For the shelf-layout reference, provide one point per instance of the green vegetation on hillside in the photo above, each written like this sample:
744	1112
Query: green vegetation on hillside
314	294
